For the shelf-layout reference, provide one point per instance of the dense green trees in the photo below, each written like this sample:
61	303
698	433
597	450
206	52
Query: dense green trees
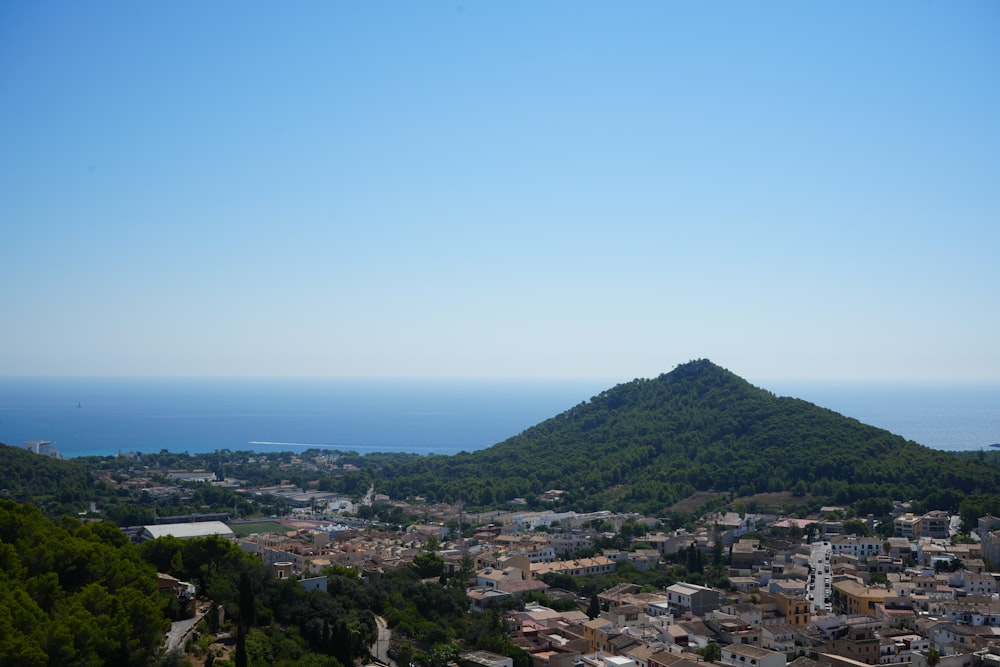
73	593
640	446
60	486
649	443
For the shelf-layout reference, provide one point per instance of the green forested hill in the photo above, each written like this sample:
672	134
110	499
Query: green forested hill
29	477
649	443
74	593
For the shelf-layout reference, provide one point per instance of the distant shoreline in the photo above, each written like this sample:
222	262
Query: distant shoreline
385	416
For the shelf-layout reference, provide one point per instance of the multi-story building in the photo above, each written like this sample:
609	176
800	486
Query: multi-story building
698	600
859	547
575	568
859	644
42	447
853	597
791	609
987	523
973	611
745	554
907	525
979	584
568	542
936	524
990	545
900	649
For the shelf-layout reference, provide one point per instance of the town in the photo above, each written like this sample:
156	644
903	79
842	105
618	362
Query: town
810	590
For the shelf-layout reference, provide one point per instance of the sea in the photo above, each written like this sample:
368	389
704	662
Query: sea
106	416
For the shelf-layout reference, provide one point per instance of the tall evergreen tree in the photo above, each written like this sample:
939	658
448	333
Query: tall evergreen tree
594	610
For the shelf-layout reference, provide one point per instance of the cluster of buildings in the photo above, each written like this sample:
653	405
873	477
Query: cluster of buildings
917	598
920	600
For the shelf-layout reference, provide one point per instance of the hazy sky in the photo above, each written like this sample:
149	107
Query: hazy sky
500	189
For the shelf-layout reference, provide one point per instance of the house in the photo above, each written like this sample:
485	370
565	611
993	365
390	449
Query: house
900	649
979	584
744	655
481	599
859	643
961	638
665	543
691	598
973	610
667	658
595	631
779	637
641	653
750	613
791	586
745	554
896	613
654	604
734	631
496	578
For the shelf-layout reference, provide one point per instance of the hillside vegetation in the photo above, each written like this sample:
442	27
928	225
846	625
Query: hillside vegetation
647	444
74	593
42	480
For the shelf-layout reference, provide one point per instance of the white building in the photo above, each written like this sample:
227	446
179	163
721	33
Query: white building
185	531
42	447
859	547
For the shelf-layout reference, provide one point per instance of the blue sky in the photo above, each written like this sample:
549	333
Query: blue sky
504	189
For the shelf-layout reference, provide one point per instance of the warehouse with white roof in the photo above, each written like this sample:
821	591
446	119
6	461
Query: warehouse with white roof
185	531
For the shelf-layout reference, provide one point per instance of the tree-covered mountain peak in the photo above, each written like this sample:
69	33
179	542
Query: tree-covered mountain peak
649	443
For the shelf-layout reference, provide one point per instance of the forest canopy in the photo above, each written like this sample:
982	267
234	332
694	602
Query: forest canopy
74	593
646	444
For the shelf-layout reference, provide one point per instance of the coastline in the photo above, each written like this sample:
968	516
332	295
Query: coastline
101	417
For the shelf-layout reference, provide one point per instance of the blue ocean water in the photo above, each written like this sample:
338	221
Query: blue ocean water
943	415
88	416
203	415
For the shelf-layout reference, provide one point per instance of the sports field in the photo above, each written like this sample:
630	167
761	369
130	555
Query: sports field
244	529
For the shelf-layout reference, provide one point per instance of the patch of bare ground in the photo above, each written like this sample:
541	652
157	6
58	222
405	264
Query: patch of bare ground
694	502
780	502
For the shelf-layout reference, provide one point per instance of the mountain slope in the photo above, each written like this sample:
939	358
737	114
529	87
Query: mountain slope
648	443
26	477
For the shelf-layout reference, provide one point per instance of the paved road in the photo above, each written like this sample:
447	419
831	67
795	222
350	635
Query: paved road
819	560
380	649
179	630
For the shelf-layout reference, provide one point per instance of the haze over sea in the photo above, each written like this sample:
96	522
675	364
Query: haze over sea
103	416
